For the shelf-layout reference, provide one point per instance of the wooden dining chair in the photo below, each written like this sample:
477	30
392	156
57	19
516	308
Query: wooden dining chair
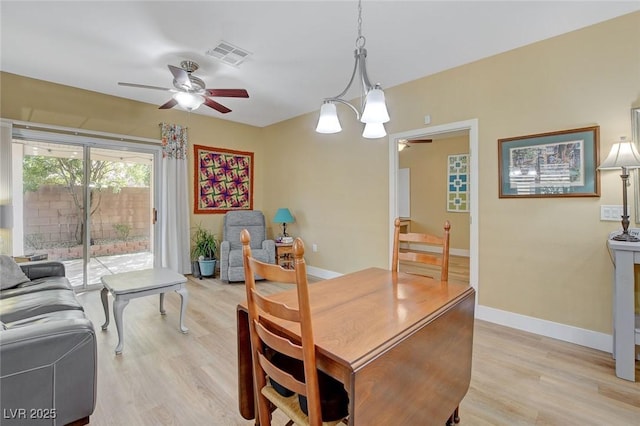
271	376
440	260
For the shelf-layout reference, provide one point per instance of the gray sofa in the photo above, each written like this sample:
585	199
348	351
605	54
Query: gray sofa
231	266
47	347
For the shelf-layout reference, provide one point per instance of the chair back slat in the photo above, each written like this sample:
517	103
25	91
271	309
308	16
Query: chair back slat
278	343
277	309
411	255
273	272
282	377
414	237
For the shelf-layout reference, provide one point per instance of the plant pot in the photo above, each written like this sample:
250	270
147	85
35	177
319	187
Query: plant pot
195	269
207	267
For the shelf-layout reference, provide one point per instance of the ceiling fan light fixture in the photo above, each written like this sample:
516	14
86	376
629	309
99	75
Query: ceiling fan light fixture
402	144
328	121
374	131
189	101
374	108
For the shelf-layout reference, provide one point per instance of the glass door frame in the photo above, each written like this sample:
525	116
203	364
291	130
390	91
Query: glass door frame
86	140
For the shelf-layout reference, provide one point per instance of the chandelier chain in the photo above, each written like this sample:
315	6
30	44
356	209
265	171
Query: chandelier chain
360	41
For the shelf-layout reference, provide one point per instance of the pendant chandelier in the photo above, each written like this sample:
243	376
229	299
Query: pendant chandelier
374	109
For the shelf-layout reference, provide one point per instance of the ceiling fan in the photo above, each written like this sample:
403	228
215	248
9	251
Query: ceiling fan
190	91
406	143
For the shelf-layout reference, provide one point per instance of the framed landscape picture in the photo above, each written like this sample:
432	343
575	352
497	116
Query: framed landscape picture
555	164
223	180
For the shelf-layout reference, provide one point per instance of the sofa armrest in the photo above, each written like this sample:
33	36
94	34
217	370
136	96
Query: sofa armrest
50	367
225	249
44	268
270	247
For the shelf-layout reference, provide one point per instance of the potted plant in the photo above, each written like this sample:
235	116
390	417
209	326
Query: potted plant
205	249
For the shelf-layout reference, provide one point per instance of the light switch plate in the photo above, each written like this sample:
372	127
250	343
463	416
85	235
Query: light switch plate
611	212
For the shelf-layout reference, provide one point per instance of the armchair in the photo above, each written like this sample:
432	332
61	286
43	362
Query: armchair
231	264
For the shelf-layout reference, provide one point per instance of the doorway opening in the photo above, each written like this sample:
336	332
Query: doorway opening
469	128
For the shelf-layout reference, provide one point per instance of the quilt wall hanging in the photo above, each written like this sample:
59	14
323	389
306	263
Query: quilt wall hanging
223	180
458	183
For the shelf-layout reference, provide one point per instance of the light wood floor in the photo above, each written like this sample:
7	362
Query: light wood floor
164	377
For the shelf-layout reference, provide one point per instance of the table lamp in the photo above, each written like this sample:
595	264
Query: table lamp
283	216
624	155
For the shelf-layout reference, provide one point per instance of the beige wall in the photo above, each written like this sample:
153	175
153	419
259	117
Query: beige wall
428	164
540	257
544	258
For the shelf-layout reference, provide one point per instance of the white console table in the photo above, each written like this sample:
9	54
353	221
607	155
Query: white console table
626	332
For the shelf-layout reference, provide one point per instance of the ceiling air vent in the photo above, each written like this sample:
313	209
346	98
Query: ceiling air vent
228	53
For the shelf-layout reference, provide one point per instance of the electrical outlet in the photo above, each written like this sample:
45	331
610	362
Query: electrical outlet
612	213
314	247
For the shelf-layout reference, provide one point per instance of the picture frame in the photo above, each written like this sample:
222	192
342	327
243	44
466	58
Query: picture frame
554	164
635	137
223	180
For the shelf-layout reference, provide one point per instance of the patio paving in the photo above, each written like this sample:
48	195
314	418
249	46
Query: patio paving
106	265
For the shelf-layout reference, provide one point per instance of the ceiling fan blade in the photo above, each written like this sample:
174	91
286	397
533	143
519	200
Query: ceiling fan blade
169	104
227	93
218	107
144	86
181	76
420	140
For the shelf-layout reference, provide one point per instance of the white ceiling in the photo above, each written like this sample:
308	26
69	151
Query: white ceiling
302	51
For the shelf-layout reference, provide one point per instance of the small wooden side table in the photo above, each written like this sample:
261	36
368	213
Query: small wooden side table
284	255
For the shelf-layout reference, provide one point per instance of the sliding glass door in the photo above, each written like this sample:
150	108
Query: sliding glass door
89	205
120	212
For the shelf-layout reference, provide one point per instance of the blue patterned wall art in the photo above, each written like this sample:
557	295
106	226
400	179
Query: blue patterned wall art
458	183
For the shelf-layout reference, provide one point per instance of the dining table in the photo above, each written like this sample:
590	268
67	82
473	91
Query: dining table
401	344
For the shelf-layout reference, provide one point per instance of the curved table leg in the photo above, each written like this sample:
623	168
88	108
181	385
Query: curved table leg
118	307
104	293
162	311
184	298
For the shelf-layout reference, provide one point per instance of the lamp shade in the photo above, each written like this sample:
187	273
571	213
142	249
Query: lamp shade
622	154
374	131
375	108
283	215
328	121
188	101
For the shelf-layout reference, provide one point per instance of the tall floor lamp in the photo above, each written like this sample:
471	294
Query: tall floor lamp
624	155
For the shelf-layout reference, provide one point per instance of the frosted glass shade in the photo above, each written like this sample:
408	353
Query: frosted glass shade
375	108
328	121
622	154
189	101
374	131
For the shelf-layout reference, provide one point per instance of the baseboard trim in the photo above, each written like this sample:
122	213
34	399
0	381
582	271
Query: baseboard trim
321	273
566	333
